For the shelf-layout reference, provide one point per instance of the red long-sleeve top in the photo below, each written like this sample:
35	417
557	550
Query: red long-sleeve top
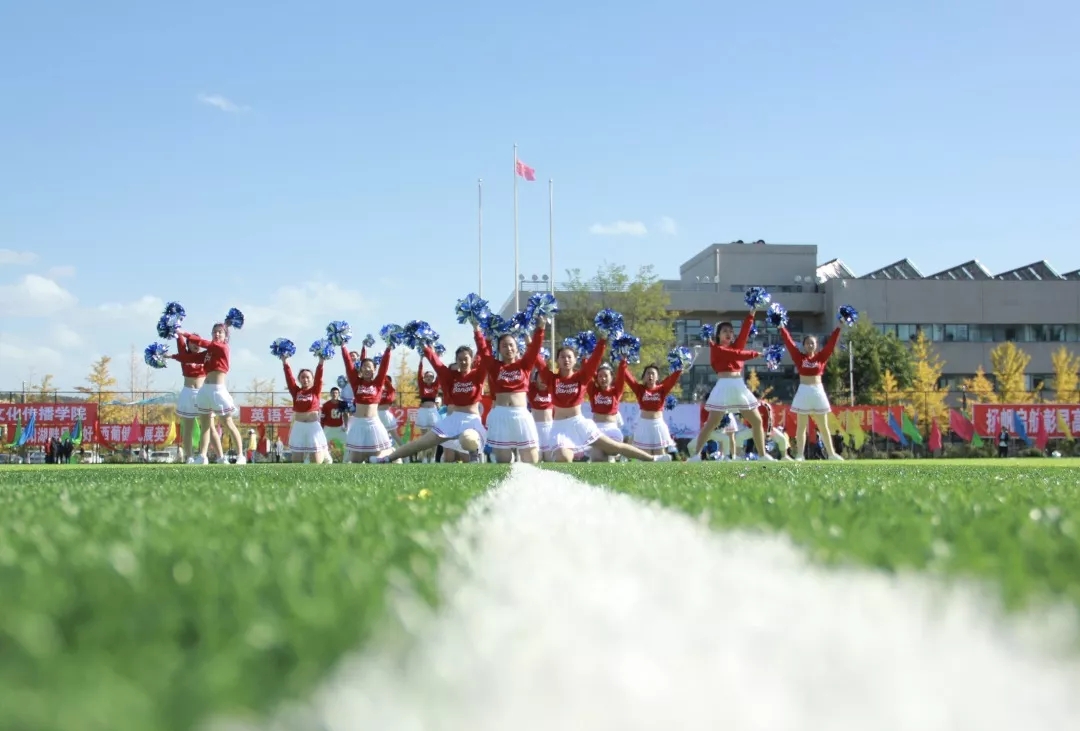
304	400
605	401
512	377
649	399
192	365
810	365
538	400
389	393
366	392
566	393
425	391
459	389
216	357
730	358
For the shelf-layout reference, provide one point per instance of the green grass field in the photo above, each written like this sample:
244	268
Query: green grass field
155	597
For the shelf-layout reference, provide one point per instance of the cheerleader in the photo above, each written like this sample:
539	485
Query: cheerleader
605	394
213	398
651	433
727	354
334	418
510	427
810	400
193	366
571	433
765	409
306	436
347	392
729	427
462	387
386	416
427	416
540	405
367	436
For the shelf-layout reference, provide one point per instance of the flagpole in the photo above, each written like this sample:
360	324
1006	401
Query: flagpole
480	234
551	251
517	287
851	370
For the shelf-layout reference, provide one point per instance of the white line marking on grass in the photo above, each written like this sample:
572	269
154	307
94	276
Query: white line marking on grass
587	609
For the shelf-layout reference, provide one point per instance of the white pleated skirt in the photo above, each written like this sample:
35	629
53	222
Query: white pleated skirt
811	399
306	437
214	398
543	434
367	434
185	403
511	427
427	417
388	419
611	430
453	424
652	434
731	394
576	434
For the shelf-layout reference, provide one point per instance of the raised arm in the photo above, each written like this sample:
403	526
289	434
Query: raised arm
588	371
619	386
669	383
317	386
350	369
384	366
420	373
792	348
825	353
741	354
188	357
532	353
201	342
630	381
483	347
744	331
290	382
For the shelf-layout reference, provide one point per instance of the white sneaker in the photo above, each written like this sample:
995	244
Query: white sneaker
800	458
695	458
837	458
241	459
190	460
199	459
661	458
378	460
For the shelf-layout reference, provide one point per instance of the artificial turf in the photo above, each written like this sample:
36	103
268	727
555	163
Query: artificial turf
1012	523
156	597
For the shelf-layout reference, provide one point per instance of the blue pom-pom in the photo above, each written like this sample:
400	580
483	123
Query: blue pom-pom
495	326
757	298
393	335
439	349
542	307
726	421
753	330
338	332
342	382
348	406
520	323
626	347
418	333
472	308
521	345
777	315
570	342
711	446
369	341
322	349
847	315
235	319
670	403
155	355
609	324
377	360
175	309
680	358
708	332
773	354
282	347
545	354
586	342
168	326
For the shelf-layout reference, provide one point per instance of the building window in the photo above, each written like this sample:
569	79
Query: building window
687	332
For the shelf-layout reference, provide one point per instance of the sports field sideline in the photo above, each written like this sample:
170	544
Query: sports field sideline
805	595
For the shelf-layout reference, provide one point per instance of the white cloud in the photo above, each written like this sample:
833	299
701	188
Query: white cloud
61	272
34	296
296	309
668	227
17	258
145	310
25	361
65	337
220	102
619	228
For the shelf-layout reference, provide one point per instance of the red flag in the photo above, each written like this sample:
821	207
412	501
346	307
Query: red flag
135	433
880	426
961	426
1041	437
261	435
935	437
525	171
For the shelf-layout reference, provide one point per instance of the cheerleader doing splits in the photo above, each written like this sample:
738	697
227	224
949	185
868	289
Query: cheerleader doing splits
462	388
810	400
306	437
193	366
213	398
727	354
541	407
651	432
765	409
510	427
427	416
367	436
605	394
572	434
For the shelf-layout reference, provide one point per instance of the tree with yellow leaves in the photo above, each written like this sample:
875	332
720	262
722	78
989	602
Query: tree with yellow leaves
405	383
1066	367
980	388
889	393
926	398
754	384
102	390
1009	363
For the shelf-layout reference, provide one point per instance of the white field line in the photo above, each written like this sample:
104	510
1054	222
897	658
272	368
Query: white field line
585	609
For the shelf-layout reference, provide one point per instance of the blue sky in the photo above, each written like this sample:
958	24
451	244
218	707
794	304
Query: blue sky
317	161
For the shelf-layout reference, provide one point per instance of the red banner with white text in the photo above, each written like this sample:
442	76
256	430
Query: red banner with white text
1059	420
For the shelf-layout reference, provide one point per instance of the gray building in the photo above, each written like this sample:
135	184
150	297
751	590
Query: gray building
965	310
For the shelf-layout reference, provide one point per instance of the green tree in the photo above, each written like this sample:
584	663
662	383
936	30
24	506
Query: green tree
640	299
873	353
1066	368
1009	364
926	401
